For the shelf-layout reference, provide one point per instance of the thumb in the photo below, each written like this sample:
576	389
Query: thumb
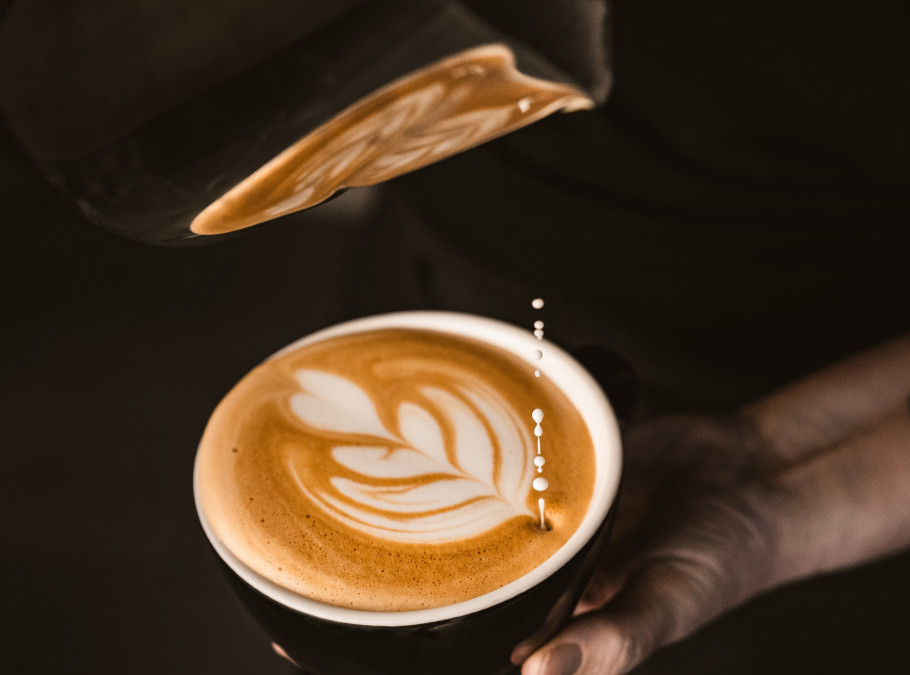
663	602
592	643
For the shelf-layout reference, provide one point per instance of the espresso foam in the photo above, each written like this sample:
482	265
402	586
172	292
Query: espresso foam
391	470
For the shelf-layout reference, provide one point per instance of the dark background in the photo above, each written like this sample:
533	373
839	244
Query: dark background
114	353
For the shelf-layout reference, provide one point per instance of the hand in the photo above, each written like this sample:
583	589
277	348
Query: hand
693	537
807	480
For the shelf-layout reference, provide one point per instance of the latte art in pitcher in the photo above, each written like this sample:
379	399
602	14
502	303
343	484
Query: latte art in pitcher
391	469
437	111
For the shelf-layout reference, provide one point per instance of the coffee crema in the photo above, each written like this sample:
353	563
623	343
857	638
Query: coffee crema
391	470
437	111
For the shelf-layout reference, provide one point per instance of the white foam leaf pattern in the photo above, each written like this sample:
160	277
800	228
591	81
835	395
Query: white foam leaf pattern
414	485
441	494
420	429
474	518
473	447
516	472
332	403
383	462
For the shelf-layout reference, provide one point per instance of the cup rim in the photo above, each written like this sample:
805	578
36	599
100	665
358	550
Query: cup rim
574	381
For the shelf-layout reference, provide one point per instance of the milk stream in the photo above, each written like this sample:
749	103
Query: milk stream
540	484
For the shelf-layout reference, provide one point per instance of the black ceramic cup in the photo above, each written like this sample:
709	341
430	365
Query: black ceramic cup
488	634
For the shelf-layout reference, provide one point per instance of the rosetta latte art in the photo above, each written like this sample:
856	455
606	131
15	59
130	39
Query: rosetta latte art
455	465
390	469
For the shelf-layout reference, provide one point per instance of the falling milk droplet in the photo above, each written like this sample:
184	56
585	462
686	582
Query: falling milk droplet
540	483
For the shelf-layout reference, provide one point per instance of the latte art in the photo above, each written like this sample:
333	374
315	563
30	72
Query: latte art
391	470
417	483
437	111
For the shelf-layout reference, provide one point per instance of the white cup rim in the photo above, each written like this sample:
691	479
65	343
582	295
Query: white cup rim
585	394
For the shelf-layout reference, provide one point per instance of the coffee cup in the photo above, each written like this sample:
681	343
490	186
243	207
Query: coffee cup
365	615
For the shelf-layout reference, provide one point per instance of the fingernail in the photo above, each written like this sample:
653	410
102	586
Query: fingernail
564	659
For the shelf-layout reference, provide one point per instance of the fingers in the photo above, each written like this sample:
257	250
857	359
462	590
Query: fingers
604	585
592	643
690	542
662	603
278	649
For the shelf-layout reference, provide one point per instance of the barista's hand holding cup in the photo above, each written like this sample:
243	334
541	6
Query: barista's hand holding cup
369	489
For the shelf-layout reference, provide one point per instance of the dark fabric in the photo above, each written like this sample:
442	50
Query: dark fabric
734	215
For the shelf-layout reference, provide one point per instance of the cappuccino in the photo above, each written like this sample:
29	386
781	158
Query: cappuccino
391	469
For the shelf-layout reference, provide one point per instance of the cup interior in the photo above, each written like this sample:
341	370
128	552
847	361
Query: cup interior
574	381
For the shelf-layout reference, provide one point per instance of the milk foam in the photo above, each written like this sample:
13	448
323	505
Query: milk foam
411	485
391	470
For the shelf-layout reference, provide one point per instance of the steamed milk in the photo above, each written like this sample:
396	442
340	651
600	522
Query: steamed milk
392	470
